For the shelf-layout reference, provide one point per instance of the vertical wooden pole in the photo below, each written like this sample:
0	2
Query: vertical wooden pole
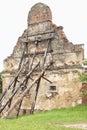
16	89
25	91
35	97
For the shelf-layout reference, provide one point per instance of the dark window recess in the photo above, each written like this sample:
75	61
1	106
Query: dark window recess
52	88
24	111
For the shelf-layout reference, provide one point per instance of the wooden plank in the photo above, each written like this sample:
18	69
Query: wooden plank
20	64
12	81
16	90
45	54
39	33
19	107
43	78
25	91
40	38
47	79
38	53
25	85
28	68
33	59
36	93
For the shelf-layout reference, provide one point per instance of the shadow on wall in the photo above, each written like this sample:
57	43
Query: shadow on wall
0	84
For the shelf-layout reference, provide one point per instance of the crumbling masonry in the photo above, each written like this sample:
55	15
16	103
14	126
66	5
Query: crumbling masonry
41	43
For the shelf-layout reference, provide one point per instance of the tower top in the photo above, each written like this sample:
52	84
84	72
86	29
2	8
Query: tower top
39	13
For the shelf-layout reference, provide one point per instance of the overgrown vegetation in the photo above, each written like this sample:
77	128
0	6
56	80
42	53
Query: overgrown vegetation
0	84
85	62
82	77
51	120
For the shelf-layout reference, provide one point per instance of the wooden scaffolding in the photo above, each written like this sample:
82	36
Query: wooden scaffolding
25	66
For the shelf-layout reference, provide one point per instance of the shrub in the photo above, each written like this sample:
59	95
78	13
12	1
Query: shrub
82	77
85	62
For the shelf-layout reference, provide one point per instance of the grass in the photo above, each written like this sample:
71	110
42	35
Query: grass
47	120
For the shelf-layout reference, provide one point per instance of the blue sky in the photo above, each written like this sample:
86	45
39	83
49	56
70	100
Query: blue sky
71	14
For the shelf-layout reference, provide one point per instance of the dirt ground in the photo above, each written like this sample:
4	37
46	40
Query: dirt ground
82	126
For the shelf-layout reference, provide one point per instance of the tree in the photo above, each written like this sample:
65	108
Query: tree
85	62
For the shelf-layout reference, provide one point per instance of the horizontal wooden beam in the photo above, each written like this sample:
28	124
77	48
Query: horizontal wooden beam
25	91
39	37
37	53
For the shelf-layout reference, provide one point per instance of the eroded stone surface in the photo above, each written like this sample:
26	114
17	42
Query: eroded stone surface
39	13
67	58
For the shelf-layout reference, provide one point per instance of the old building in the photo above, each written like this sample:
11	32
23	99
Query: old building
60	87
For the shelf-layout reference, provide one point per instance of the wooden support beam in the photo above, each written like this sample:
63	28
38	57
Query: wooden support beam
25	85
28	68
47	79
43	78
39	33
33	59
16	89
45	54
40	38
19	107
38	53
12	81
20	66
35	97
16	76
25	91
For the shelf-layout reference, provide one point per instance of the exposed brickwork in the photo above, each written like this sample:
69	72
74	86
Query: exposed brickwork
39	13
66	56
84	93
70	45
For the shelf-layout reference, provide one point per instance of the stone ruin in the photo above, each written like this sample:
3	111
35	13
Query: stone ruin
43	42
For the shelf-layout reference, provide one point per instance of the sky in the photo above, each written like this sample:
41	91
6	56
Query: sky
71	14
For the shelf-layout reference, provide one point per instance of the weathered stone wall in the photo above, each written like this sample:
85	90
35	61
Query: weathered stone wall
84	93
67	92
67	58
39	13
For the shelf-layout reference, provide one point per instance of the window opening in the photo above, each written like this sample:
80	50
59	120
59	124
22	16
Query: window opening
52	88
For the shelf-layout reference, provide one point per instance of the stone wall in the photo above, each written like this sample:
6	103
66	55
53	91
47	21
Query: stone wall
65	89
84	93
39	13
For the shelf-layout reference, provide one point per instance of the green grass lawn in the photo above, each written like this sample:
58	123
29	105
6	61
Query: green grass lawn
47	120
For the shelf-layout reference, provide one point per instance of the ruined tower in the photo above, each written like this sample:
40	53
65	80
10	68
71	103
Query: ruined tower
62	90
